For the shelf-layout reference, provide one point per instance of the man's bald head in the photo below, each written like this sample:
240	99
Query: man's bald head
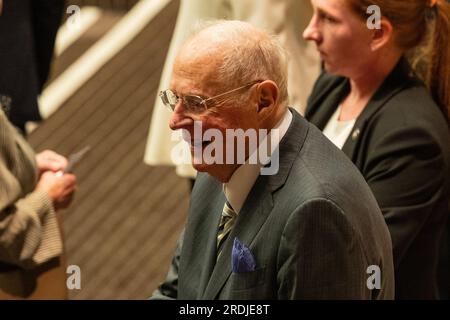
237	53
221	37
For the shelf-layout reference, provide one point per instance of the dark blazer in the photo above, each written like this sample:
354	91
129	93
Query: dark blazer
27	32
400	143
313	229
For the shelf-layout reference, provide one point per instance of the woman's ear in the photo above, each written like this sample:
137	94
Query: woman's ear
267	95
381	36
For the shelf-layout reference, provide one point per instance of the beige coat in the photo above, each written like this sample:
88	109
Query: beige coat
286	18
30	239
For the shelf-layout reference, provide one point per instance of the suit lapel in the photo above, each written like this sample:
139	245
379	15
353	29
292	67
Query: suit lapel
259	204
199	244
211	247
250	220
395	82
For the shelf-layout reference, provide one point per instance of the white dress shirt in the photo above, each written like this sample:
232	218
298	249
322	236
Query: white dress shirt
338	131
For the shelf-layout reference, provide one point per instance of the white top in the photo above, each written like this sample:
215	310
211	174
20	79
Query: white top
241	182
338	131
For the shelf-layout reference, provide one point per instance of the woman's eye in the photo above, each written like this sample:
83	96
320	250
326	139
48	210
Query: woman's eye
326	17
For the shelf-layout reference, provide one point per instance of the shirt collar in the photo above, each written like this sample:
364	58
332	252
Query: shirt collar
241	182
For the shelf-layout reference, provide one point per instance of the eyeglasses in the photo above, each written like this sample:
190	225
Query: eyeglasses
193	103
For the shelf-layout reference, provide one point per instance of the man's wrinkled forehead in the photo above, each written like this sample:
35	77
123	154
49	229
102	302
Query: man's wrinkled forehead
202	50
195	77
199	63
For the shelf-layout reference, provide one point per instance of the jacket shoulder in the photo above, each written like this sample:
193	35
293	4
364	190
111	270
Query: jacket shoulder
411	110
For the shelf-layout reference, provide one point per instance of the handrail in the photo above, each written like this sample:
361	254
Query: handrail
74	77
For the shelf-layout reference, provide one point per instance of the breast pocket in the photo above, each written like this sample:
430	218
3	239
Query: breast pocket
248	280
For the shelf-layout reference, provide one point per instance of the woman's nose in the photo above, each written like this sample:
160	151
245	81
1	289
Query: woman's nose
311	33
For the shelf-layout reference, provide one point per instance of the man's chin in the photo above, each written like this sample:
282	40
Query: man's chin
220	172
201	166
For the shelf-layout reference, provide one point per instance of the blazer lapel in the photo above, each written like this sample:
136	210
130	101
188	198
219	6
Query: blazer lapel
250	220
259	203
394	83
211	248
199	244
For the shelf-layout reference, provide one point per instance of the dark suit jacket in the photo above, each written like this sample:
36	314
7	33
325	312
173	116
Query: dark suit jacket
27	32
400	143
313	229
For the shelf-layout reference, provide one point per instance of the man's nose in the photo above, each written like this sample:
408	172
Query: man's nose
311	32
179	118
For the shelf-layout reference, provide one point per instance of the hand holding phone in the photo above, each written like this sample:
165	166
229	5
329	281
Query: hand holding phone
73	159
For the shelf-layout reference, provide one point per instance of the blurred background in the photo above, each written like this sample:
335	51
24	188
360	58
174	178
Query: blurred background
122	227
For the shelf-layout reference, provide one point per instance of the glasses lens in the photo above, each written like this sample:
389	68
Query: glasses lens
169	99
193	103
172	98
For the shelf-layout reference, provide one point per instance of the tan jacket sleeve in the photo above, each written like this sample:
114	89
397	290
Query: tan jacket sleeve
29	233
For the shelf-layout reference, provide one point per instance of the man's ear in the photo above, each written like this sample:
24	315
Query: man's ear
382	35
267	95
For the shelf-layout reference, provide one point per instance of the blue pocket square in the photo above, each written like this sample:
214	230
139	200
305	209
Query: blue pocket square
241	258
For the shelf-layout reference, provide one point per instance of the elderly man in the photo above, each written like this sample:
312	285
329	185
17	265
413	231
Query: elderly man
285	18
308	227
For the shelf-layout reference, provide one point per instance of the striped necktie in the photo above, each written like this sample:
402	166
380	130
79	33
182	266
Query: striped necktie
226	224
